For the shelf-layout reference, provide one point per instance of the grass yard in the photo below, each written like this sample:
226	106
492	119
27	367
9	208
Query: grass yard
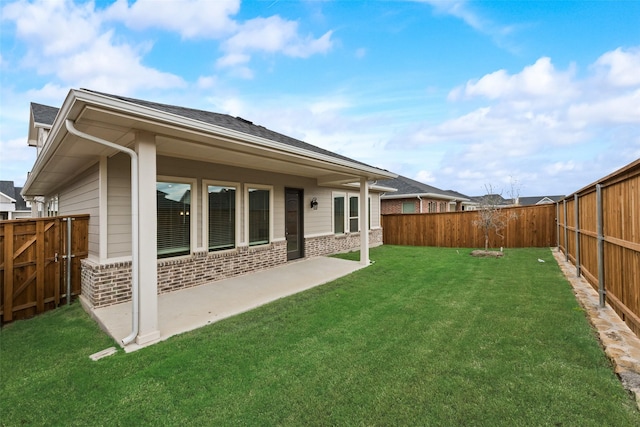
425	336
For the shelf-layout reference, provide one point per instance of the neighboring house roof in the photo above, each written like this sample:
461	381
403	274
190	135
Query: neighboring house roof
407	187
43	114
10	194
42	117
21	203
8	190
538	200
519	201
493	199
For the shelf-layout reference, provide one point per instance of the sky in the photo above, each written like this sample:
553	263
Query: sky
461	95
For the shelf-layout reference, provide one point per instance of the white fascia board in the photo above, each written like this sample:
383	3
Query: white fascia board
197	125
372	187
11	199
422	195
51	144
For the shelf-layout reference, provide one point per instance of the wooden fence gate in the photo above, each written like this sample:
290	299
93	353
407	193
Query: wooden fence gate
39	267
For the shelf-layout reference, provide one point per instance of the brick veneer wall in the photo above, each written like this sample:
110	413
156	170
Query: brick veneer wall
331	244
394	206
108	284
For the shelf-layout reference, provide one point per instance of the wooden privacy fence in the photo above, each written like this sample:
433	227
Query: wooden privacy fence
534	226
599	232
38	264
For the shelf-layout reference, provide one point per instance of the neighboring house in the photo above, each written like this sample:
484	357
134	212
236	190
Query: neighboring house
518	201
412	196
12	204
537	200
180	197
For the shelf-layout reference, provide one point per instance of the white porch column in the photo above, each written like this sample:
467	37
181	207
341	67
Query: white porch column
364	221
34	207
147	220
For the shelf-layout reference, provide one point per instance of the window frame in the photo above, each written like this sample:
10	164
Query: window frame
205	212
413	206
193	211
246	190
334	196
350	218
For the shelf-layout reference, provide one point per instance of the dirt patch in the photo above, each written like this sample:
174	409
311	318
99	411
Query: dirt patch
487	254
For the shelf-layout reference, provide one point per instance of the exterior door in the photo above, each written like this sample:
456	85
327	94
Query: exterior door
294	223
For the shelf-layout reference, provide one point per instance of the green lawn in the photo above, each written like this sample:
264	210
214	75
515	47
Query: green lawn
425	336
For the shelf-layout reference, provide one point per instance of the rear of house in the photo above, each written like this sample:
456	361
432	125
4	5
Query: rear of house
179	197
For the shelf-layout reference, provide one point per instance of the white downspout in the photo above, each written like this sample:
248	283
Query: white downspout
135	290
420	198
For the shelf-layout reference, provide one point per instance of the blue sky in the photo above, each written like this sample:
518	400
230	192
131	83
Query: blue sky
456	94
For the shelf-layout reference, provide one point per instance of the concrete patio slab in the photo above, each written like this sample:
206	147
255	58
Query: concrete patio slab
192	308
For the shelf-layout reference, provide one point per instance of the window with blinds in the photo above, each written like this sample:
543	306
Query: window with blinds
173	202
222	217
353	214
259	211
338	214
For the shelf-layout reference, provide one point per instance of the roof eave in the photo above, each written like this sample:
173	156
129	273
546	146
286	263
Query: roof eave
175	119
425	195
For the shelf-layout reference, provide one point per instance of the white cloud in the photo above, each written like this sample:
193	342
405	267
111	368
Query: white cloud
425	176
560	167
49	91
65	40
537	81
15	153
110	67
620	67
271	35
189	18
54	27
543	116
207	82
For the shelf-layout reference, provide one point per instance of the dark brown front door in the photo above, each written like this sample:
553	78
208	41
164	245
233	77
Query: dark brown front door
293	223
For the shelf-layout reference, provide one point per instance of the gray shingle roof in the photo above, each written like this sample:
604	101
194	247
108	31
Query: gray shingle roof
532	200
43	113
7	188
235	123
406	185
21	204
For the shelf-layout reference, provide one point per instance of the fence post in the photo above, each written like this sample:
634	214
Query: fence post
577	202
69	260
8	273
557	225
599	226
566	232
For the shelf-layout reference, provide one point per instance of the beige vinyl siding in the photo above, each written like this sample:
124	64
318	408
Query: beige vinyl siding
119	206
82	197
375	210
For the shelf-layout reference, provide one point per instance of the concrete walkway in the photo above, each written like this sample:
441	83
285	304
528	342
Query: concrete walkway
192	308
620	344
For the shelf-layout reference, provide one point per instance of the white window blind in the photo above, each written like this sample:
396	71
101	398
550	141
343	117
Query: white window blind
173	201
222	217
259	211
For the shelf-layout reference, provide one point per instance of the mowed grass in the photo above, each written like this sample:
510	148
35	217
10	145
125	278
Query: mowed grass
425	336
